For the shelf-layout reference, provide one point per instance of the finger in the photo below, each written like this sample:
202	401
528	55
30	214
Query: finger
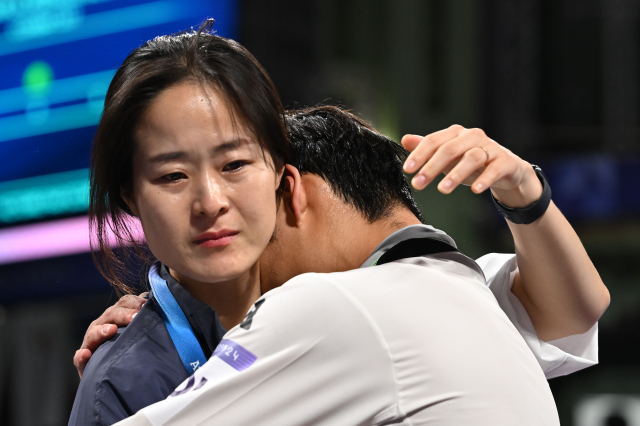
122	312
119	316
428	146
130	301
410	142
472	162
97	335
495	171
448	155
80	360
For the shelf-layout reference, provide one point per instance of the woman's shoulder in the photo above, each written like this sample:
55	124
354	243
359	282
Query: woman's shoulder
136	368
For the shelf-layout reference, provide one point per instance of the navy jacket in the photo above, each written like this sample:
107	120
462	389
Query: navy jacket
140	365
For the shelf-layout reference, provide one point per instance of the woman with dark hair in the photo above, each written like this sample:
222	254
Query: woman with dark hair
192	142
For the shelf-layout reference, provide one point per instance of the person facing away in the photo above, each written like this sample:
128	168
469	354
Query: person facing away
406	337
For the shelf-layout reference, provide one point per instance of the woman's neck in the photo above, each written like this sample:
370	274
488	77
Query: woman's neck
231	299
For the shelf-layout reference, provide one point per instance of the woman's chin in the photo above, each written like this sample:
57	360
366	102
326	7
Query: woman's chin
220	271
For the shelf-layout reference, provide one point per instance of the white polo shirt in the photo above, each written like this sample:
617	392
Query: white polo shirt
416	341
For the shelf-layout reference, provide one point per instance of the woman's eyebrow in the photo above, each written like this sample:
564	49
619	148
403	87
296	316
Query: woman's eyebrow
165	157
231	145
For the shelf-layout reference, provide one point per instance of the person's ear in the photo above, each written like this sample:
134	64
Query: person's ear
294	196
128	200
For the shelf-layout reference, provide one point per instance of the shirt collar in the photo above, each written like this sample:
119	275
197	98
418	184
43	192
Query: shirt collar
203	318
406	233
423	231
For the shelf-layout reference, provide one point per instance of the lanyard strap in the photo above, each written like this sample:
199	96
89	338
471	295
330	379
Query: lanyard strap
184	339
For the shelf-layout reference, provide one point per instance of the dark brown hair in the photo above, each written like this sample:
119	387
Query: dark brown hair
200	57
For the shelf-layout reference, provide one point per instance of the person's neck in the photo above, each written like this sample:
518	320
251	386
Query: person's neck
230	299
360	237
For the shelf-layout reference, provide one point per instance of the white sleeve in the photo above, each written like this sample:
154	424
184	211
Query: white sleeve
291	362
557	357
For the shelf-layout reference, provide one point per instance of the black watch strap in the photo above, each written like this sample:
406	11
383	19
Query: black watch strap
533	211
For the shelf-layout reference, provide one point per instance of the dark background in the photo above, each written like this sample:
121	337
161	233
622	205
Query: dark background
555	81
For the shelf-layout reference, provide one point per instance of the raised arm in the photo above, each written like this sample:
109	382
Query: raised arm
557	282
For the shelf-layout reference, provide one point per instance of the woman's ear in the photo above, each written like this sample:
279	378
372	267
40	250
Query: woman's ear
294	196
126	197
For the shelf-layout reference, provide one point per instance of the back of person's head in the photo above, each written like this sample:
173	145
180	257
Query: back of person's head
198	57
361	165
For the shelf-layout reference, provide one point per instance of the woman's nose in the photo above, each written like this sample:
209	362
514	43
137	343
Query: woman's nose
210	199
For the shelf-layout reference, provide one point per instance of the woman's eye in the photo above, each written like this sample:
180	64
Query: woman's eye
234	165
173	177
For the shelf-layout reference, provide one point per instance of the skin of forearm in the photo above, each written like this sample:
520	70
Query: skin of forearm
557	283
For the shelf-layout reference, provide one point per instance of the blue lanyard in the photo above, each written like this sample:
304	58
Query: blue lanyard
176	322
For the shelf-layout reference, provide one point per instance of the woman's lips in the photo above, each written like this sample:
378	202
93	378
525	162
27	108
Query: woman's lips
215	239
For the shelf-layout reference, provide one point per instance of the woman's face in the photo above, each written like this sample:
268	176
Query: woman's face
201	186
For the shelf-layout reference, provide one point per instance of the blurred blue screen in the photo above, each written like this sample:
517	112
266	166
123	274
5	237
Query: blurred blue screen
57	58
595	187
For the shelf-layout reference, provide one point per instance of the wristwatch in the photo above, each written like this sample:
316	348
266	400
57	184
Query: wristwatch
533	211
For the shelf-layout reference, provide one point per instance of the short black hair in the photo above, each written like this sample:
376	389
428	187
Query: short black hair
361	165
